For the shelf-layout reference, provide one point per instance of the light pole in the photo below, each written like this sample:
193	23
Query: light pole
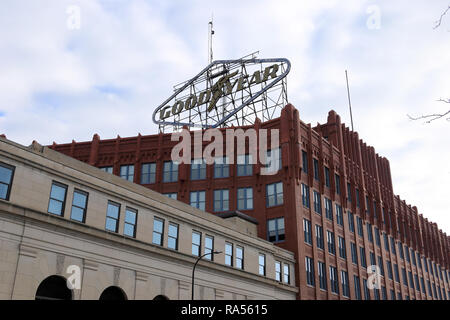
195	264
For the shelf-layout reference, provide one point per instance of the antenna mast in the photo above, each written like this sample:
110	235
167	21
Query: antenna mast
210	34
349	102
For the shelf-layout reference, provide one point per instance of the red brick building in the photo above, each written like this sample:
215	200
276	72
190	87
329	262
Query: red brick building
332	203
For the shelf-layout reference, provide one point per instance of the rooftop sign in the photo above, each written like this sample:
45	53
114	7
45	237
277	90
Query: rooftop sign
227	92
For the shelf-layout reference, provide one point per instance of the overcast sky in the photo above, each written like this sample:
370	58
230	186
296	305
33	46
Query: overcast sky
60	80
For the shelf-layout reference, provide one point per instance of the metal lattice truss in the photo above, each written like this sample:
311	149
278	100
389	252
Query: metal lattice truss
226	93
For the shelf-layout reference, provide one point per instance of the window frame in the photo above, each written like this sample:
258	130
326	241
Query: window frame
125	223
84	209
63	203
127	166
155	218
149	175
198	246
277	229
117	220
169	237
9	184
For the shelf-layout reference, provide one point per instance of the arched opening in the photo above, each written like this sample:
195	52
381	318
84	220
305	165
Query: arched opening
53	288
113	293
160	297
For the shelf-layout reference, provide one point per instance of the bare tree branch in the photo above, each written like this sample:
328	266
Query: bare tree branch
438	22
434	116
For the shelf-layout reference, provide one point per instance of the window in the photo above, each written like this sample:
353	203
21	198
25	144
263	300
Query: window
377	236
411	281
334	280
357	198
386	242
286	274
198	169
305	161
396	274
377	294
366	290
328	208
322	275
221	167
357	288
339	216
196	243
362	253
158	231
127	172
148	173
170	171
372	258
407	254
112	216
171	195
275	230
262	264
380	265
389	269
369	232
6	177
278	271
345	284
383	293
342	249
239	257
57	199
349	192
316	169
413	257
245	198
416	282
209	247
244	165
107	169
317	202
351	221
400	249
228	254
331	242
319	237
360	226
309	264
422	282
405	280
129	227
197	199
305	195
393	246
273	160
307	231
392	294
327	177
353	251
429	288
79	204
221	200
338	183
274	193
172	237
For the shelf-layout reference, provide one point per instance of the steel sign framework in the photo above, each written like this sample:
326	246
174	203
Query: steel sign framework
227	93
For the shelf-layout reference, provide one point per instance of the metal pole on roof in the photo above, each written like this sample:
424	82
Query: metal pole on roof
349	102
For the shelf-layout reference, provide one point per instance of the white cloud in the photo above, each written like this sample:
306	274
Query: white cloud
108	76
